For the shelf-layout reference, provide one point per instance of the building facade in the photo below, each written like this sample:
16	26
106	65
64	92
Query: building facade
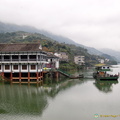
53	61
22	63
62	56
80	60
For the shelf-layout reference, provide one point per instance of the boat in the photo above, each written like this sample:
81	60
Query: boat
101	73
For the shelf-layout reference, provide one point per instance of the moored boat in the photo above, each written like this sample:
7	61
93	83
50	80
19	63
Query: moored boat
102	73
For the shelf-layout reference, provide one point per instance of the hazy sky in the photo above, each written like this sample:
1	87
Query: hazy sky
94	23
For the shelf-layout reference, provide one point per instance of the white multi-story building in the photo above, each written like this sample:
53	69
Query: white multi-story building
62	56
80	60
22	63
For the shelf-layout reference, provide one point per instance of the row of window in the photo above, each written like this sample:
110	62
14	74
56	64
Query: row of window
7	57
15	67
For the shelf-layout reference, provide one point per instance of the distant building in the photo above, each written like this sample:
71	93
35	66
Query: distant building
24	36
101	60
80	60
107	60
53	61
62	55
22	63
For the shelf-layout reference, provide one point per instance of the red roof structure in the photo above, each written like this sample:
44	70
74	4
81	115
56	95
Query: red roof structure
20	47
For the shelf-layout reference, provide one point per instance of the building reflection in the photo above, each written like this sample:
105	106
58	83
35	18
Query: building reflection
54	89
30	100
17	99
105	86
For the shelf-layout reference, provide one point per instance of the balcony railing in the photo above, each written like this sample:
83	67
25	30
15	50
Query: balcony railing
10	60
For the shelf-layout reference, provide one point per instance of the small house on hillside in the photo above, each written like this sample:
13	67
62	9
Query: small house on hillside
62	56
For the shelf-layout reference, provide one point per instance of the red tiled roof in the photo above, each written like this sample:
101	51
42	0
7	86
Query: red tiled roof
19	47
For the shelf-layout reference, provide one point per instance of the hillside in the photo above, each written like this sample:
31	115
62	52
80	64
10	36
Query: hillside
8	28
115	54
49	45
5	27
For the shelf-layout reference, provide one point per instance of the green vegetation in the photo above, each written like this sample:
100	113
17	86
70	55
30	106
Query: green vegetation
68	66
51	45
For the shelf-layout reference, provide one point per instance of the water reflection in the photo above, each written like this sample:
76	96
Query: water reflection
105	86
25	99
54	89
66	100
21	100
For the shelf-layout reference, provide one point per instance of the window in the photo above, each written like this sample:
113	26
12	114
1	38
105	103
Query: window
15	67
24	57
15	57
32	56
38	57
7	67
33	67
6	58
24	67
0	67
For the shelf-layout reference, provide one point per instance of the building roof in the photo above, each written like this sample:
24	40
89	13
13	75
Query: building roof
51	56
19	47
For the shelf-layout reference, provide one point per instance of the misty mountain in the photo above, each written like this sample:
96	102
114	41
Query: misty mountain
109	57
113	53
6	27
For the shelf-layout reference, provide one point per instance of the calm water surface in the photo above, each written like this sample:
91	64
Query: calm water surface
69	100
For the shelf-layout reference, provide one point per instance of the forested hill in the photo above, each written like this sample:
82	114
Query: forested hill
6	27
49	45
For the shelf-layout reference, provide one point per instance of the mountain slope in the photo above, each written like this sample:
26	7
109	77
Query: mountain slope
51	45
115	54
5	27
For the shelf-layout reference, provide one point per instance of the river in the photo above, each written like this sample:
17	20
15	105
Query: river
78	99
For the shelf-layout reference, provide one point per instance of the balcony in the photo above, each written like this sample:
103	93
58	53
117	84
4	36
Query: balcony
21	60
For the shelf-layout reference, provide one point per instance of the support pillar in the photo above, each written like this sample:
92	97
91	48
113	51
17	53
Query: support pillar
2	74
37	76
11	76
42	74
20	77
57	76
28	77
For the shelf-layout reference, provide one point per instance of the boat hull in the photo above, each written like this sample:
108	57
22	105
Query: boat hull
106	78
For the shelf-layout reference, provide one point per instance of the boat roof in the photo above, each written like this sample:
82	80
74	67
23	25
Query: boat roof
99	65
103	68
